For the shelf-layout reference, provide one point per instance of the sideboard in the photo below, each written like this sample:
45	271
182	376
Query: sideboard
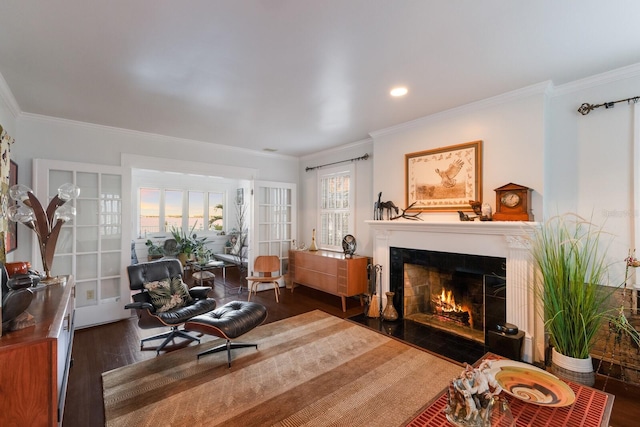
35	361
329	272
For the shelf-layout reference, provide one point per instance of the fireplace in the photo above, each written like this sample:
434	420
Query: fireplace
509	268
462	294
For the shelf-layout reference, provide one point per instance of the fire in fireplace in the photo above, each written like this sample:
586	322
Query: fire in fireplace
464	295
445	306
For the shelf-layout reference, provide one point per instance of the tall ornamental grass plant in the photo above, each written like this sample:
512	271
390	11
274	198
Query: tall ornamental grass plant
570	253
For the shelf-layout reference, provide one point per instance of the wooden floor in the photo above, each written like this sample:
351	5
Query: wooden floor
102	348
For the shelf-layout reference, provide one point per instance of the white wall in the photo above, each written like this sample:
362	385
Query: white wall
50	138
590	159
511	127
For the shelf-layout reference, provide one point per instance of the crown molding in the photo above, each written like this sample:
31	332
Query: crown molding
624	73
543	88
151	136
338	149
9	100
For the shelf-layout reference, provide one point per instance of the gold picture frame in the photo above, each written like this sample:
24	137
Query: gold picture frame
444	179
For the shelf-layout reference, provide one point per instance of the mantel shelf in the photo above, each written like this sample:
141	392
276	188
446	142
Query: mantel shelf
464	227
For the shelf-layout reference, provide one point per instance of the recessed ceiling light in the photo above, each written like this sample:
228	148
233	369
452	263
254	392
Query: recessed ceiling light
399	91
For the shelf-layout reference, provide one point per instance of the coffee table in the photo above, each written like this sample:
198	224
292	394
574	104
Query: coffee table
592	408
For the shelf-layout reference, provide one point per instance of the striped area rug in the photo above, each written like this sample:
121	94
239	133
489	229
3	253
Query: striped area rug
310	370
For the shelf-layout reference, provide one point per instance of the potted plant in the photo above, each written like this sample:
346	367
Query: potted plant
153	251
571	259
187	244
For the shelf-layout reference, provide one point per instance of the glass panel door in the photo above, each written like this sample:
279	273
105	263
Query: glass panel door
274	220
91	246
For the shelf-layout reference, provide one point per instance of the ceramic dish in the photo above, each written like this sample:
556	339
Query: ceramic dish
531	384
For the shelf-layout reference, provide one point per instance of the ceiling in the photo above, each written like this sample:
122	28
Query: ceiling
297	76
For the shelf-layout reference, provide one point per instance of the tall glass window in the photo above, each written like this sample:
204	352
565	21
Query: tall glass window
216	213
196	210
162	209
149	211
336	204
173	209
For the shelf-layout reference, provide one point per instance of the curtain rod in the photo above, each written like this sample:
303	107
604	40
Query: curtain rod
586	107
355	159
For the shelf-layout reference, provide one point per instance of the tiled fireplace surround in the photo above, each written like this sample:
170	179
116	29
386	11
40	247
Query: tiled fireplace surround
498	239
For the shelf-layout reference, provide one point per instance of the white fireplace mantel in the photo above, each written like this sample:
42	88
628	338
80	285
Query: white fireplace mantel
503	239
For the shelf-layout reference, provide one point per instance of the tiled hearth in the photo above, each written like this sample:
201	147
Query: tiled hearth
496	239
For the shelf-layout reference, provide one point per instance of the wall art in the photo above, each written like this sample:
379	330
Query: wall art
444	179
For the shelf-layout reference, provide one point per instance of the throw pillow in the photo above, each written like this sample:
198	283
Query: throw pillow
167	294
178	287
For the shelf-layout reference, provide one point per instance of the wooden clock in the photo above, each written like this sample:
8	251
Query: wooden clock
513	203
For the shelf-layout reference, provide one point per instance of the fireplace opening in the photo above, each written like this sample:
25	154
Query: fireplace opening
464	295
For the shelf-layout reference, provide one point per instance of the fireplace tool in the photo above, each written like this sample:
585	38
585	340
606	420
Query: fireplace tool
375	275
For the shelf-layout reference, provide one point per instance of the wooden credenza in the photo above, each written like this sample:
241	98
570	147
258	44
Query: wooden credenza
329	272
35	361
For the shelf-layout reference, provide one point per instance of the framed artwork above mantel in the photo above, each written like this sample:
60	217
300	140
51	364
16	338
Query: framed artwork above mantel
444	179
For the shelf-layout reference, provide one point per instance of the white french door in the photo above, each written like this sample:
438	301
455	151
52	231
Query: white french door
91	247
274	221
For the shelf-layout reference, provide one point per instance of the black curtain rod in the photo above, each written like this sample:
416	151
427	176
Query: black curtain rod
586	107
355	159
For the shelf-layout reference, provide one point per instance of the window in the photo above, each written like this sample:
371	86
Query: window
336	205
162	209
149	211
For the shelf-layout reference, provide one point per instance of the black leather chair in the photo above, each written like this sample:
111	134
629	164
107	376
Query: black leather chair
148	317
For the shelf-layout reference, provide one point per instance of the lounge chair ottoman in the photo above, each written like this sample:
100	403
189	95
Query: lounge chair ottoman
230	321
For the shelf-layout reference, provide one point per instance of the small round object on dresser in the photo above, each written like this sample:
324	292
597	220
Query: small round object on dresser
349	245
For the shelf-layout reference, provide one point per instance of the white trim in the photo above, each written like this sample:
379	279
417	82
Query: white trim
9	100
362	143
139	134
608	77
134	161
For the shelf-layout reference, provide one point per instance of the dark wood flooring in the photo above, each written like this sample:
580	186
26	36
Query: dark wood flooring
102	348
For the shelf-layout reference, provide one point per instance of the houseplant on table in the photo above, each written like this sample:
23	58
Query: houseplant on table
153	251
569	253
187	244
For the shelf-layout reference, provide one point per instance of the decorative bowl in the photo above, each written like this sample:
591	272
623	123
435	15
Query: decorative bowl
18	267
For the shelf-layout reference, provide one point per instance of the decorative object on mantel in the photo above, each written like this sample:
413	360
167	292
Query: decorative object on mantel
380	207
513	203
586	108
46	224
349	245
444	179
568	251
482	211
405	215
313	247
